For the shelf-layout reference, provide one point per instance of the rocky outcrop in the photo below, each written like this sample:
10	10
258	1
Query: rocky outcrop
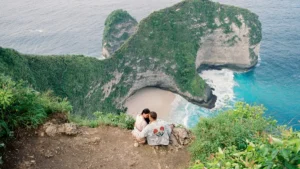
162	80
232	49
52	129
165	51
119	26
230	37
180	137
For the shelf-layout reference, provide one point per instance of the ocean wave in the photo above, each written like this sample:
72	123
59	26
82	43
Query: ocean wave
223	83
37	30
188	114
259	61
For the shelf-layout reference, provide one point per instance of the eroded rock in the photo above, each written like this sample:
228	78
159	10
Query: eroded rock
180	137
119	26
52	129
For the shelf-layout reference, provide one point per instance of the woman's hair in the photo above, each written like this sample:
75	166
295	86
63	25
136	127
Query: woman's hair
145	111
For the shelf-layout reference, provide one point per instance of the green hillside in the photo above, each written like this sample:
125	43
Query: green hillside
166	42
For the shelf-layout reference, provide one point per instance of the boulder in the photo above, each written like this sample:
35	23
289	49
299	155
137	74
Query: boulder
52	129
180	136
70	129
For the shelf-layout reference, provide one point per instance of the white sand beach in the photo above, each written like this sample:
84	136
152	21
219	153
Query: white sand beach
155	99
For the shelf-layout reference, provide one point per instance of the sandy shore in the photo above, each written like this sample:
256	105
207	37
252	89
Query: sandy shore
153	98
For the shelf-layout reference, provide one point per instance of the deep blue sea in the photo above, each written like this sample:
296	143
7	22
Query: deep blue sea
275	82
76	27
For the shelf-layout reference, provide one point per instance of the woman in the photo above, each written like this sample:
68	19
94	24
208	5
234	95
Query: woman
141	121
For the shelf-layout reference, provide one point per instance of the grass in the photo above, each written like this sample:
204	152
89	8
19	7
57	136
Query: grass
109	119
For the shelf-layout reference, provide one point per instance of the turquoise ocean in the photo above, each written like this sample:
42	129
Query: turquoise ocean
76	27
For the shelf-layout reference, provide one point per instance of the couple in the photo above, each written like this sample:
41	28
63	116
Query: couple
148	128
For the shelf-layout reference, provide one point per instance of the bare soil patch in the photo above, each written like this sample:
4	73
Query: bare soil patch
94	148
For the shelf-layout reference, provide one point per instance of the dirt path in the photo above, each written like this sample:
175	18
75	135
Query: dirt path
95	148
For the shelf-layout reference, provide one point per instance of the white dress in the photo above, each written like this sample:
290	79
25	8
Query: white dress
139	125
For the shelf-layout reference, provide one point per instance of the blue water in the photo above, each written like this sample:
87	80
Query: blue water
76	27
275	83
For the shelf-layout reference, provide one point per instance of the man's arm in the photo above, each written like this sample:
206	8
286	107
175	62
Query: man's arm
144	132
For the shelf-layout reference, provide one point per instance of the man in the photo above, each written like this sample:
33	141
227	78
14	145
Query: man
157	132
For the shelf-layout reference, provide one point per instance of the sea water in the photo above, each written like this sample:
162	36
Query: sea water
275	81
76	27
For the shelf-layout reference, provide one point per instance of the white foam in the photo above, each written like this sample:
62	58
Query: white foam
186	117
37	30
259	61
178	112
223	83
187	114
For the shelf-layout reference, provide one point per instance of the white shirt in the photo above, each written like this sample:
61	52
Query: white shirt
157	133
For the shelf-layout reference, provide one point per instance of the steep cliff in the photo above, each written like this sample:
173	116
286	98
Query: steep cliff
165	52
119	26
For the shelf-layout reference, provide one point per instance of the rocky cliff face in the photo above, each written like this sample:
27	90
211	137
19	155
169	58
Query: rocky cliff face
119	26
172	44
162	80
165	51
232	49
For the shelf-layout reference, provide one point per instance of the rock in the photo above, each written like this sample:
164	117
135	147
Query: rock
95	140
51	130
158	166
117	31
232	50
66	128
48	154
180	136
71	129
132	163
27	163
136	144
173	140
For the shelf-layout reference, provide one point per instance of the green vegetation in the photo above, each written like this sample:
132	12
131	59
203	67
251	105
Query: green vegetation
77	78
116	17
117	120
174	33
167	41
22	106
243	138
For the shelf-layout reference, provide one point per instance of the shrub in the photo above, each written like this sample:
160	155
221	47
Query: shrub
268	152
110	119
21	105
231	128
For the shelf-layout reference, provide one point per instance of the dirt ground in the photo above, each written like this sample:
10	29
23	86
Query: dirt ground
94	148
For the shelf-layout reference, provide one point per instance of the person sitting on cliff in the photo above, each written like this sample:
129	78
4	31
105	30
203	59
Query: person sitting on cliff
158	132
141	121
